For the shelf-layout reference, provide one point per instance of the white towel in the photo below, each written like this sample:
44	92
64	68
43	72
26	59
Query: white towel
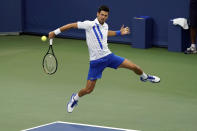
181	22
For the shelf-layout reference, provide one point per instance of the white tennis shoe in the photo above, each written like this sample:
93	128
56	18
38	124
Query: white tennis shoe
71	104
153	79
191	50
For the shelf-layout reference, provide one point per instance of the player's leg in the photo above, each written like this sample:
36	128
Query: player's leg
130	65
193	24
143	76
95	72
193	35
75	97
192	48
88	89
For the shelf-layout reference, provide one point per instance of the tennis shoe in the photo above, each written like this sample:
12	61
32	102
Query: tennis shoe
72	103
191	50
153	79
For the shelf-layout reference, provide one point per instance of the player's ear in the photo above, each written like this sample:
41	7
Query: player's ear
97	14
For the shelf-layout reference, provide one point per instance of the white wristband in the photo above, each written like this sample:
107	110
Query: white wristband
57	31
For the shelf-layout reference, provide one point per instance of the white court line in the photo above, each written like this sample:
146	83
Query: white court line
97	126
39	126
81	125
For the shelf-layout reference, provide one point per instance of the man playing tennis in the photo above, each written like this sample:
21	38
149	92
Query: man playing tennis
100	55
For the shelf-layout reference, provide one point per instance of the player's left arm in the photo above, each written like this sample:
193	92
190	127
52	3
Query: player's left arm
123	31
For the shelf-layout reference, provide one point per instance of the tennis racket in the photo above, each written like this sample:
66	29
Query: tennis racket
49	62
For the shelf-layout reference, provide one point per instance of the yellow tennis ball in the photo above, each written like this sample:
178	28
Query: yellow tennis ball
43	38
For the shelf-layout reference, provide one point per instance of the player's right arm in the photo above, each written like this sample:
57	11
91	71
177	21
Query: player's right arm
52	34
80	25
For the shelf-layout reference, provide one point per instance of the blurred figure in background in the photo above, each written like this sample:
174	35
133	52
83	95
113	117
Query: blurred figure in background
193	26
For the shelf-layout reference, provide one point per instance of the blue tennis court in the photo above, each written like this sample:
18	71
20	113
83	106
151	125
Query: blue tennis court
66	126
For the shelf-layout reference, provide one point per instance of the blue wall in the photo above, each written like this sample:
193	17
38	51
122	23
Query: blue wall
11	19
42	16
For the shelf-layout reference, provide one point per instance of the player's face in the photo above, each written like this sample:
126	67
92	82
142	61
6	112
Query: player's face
102	16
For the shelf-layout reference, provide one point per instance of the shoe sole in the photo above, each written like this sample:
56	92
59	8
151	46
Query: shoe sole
151	81
155	82
186	52
68	103
67	108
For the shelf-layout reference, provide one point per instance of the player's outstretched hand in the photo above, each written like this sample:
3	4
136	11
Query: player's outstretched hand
124	30
51	35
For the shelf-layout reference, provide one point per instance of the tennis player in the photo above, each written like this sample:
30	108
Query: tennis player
100	55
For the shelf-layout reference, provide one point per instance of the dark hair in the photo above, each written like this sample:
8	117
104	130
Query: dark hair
103	8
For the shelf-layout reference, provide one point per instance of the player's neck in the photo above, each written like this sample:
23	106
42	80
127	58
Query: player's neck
100	22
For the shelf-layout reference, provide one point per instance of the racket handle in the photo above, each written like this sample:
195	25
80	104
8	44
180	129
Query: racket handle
51	41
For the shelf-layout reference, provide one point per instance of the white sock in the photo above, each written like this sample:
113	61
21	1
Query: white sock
144	75
193	45
76	97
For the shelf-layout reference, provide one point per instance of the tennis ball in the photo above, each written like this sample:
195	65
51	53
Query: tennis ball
43	38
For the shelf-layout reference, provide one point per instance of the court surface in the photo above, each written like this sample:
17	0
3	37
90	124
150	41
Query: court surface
29	97
67	126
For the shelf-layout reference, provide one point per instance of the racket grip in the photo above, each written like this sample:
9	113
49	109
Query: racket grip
51	41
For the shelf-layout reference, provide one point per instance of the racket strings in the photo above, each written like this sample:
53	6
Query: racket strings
50	64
